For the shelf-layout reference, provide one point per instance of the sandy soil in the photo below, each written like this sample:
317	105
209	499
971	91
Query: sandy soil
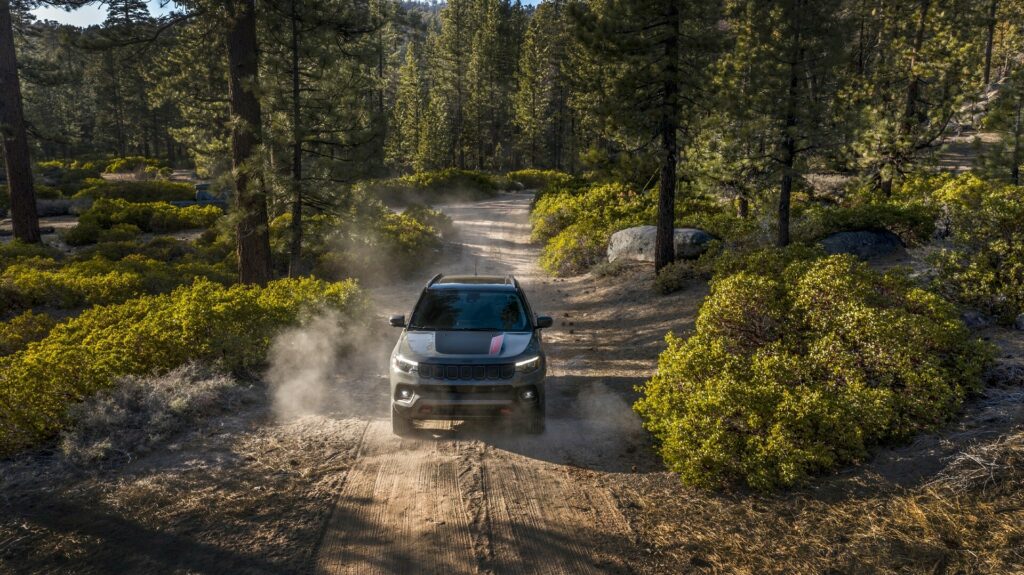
334	491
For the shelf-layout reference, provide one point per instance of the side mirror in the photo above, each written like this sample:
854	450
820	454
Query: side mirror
397	321
544	321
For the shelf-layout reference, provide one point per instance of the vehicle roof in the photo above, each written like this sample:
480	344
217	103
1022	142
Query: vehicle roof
500	283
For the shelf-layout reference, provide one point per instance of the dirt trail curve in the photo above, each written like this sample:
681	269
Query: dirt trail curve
472	498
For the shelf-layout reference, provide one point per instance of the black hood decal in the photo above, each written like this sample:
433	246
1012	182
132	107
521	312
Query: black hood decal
464	342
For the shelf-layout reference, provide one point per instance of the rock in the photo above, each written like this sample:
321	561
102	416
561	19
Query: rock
865	244
1019	322
638	243
974	319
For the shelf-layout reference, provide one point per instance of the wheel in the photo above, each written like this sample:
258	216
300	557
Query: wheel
400	426
535	423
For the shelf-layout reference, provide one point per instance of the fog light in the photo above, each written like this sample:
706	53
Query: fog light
528	394
404	393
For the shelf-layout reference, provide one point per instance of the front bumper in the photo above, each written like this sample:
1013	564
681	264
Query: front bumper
520	395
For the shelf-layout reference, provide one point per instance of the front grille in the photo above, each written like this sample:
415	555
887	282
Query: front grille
467	372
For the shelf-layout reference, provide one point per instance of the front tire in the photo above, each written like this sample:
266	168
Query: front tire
400	426
536	422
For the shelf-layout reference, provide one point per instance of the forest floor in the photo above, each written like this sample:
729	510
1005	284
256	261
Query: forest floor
333	491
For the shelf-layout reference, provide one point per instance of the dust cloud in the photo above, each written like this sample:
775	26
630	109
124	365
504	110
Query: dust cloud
303	361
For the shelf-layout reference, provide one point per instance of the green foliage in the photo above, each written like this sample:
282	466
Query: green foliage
534	179
436	219
682	274
37	282
14	251
913	222
207	322
801	372
431	187
132	164
985	267
21	330
115	220
133	191
576	226
353	243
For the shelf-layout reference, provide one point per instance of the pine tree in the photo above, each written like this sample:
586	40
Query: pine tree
407	114
653	55
14	136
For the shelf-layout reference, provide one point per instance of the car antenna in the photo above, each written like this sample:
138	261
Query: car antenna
476	266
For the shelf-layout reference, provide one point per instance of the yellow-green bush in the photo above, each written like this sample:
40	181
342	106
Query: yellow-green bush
129	164
792	374
14	251
19	331
156	217
134	191
353	243
534	179
576	225
913	222
205	321
427	187
985	267
39	282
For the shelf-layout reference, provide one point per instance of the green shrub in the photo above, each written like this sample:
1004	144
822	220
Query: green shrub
119	233
14	251
156	217
18	332
429	187
682	274
797	373
97	281
914	222
431	217
533	179
576	226
133	191
68	177
131	164
985	267
204	322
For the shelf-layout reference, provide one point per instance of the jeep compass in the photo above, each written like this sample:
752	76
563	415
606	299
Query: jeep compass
470	350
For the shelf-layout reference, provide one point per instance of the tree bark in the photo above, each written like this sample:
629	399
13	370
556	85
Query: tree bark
1015	169
295	245
789	144
989	39
252	229
664	241
15	140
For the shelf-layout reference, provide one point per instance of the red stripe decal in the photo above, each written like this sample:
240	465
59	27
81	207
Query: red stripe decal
496	342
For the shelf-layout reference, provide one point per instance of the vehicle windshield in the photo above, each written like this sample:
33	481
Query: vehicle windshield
470	310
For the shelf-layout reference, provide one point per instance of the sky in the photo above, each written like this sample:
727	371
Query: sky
94	13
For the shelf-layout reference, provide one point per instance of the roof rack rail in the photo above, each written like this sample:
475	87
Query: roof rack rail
434	279
509	279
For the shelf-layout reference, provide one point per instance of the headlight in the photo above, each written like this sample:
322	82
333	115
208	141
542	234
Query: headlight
528	365
405	365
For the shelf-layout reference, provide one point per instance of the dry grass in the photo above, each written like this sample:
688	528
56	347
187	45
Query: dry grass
966	518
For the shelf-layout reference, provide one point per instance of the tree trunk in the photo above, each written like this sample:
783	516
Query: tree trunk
252	232
664	241
295	246
743	207
1015	170
789	145
989	39
15	140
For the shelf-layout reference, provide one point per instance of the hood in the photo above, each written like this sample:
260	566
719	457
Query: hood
477	344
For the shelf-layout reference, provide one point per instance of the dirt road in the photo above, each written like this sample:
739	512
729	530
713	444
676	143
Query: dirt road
476	498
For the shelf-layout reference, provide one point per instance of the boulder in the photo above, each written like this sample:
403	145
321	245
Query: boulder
975	319
865	244
1019	322
638	243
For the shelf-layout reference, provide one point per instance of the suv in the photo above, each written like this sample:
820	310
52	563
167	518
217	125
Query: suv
470	350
